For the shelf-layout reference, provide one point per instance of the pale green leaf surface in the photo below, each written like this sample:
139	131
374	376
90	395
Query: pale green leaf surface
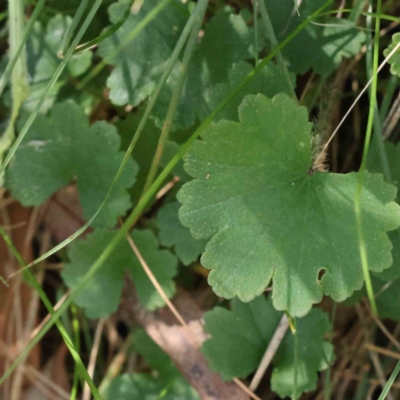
173	234
248	176
63	147
240	337
42	60
394	61
321	45
101	296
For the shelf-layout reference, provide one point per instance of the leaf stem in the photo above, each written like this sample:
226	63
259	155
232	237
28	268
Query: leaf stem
190	47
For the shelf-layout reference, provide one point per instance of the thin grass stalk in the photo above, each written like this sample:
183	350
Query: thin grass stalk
361	173
31	280
5	77
121	234
390	382
139	27
49	86
108	32
63	48
173	105
272	38
378	131
19	75
255	25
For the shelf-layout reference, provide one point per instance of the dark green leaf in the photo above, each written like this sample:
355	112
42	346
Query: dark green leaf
173	233
101	296
63	147
239	339
269	217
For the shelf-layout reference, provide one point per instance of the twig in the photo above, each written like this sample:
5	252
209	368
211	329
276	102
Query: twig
270	352
93	358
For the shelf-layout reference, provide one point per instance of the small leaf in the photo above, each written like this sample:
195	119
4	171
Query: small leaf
64	147
101	295
42	60
239	339
322	44
168	385
173	233
248	176
394	61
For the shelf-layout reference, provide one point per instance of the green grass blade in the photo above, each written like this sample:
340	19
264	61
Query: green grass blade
388	96
5	78
145	21
63	48
108	32
19	75
121	234
31	280
272	38
389	383
51	83
361	173
191	45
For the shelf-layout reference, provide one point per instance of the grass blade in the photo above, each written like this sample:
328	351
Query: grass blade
31	280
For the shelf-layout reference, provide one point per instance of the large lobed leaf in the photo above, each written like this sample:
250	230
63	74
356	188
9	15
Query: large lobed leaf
63	147
101	295
240	337
268	217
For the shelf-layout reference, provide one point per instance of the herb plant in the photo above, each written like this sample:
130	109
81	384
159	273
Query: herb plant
193	149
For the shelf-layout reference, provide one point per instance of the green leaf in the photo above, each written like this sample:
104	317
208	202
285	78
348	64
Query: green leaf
145	149
270	81
101	297
388	299
133	386
269	217
239	339
174	234
169	384
63	147
139	64
394	61
146	387
321	45
42	59
132	80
